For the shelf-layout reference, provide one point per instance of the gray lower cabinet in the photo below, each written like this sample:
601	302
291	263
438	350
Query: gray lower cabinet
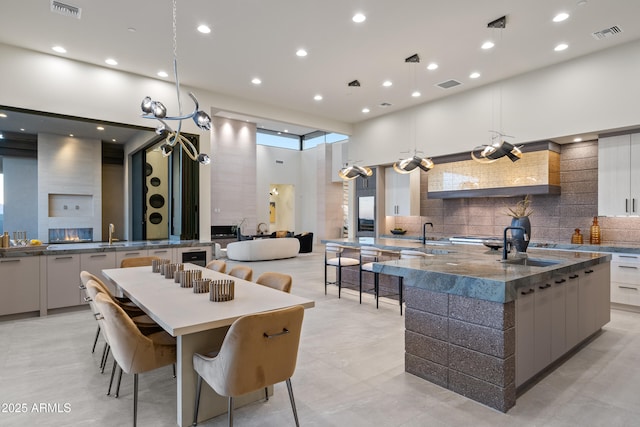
63	280
20	285
95	263
625	279
552	317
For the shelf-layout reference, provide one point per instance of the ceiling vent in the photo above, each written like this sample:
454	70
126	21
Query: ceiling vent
449	84
385	105
607	32
65	9
354	83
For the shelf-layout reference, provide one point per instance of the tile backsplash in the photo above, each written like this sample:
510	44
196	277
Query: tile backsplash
554	218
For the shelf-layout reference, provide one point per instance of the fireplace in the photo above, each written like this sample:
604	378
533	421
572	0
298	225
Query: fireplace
70	235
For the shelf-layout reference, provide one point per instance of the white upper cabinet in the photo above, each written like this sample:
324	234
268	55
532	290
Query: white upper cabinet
402	193
619	175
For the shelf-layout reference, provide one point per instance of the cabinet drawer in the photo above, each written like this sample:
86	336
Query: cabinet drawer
625	273
626	258
623	293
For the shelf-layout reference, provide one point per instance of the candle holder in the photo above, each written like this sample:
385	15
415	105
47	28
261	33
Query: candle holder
221	290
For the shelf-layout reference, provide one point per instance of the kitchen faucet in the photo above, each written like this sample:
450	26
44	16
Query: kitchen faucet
504	242
112	229
424	231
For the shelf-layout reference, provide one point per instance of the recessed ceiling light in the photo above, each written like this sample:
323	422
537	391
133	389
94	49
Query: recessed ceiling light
286	131
71	135
358	18
21	129
365	110
560	17
387	83
577	139
487	45
99	128
163	74
1	136
432	66
256	81
301	52
416	93
582	2
113	140
59	49
111	61
561	47
3	115
318	97
474	75
204	29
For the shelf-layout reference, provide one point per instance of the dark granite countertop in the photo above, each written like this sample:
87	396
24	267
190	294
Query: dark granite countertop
96	247
474	270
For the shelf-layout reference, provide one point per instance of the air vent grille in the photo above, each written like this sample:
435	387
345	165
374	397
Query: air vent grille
385	105
449	84
607	32
65	9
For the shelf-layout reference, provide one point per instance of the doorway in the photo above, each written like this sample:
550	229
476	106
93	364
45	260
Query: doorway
282	209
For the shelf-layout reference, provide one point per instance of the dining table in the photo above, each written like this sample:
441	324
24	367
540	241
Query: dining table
198	324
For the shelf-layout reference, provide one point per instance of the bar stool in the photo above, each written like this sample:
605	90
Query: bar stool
333	257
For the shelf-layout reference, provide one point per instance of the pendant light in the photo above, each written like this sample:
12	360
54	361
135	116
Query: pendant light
156	110
414	162
499	147
351	172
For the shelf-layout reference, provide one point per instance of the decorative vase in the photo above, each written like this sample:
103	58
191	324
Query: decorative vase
518	236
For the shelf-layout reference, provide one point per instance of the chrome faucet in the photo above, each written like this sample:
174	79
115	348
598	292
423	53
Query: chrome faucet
112	229
424	231
504	242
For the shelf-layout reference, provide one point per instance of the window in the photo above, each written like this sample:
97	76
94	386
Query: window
315	138
277	139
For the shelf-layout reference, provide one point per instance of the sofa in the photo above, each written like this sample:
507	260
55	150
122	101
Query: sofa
263	249
306	242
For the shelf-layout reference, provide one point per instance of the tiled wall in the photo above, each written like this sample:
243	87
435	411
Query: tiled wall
554	218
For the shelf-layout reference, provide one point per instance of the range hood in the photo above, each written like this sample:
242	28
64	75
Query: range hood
457	176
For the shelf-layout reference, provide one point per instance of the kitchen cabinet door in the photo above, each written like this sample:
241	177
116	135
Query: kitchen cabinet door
402	193
165	253
20	285
558	318
132	253
542	319
571	307
619	175
63	281
525	335
95	263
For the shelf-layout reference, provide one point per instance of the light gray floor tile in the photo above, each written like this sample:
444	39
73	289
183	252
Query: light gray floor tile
350	372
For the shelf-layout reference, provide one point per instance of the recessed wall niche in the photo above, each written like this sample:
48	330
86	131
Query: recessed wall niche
70	205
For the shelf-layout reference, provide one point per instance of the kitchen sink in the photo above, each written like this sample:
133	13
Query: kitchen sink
531	262
112	245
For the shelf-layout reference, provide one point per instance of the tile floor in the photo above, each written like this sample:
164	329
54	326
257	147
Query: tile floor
350	373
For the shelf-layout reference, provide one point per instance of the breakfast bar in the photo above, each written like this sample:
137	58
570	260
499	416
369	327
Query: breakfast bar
486	328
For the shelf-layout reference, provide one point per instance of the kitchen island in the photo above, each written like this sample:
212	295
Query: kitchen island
484	328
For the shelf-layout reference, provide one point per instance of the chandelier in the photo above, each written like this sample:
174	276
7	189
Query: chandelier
156	110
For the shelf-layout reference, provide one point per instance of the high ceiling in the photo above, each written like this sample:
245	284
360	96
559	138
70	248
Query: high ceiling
260	38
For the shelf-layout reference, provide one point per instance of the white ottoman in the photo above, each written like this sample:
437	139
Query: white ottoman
263	249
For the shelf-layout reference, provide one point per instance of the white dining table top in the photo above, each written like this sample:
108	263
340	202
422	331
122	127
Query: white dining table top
180	311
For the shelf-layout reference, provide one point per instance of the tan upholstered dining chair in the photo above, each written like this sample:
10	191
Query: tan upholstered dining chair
274	280
241	272
264	343
141	261
135	353
217	265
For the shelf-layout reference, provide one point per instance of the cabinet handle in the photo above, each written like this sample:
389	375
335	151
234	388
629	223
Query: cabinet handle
588	272
530	291
627	287
98	256
628	266
560	281
64	257
628	256
10	260
160	252
634	205
545	286
132	253
626	205
575	276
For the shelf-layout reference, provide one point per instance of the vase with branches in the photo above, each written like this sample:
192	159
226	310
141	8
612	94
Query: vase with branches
520	218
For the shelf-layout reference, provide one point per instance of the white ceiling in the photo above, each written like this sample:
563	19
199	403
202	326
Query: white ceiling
252	38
